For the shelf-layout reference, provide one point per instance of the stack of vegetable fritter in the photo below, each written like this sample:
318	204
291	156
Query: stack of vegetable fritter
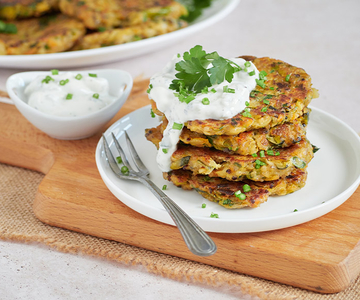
49	26
259	152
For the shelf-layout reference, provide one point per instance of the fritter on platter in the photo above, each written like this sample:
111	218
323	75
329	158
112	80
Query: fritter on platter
225	192
119	36
108	14
48	34
17	9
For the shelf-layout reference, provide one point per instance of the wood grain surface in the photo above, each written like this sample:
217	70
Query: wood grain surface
322	255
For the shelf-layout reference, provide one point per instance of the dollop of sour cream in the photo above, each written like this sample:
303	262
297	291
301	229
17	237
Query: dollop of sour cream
68	94
221	105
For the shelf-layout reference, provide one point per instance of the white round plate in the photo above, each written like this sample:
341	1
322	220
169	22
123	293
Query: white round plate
334	174
72	59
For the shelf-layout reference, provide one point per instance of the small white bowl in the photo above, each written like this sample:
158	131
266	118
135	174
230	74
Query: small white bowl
70	128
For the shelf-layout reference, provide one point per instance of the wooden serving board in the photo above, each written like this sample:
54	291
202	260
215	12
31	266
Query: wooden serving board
321	255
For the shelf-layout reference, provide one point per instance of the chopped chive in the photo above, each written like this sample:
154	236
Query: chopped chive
247	64
63	82
124	170
270	152
295	210
266	101
214	216
165	150
261	83
47	79
178	55
213	90
247	114
254	155
164	187
69	96
262	153
264	109
246	188
262	75
272	71
149	89
96	96
277	153
78	76
92	75
55	72
240	195
152	113
203	205
252	73
177	126
226	89
272	88
205	101
287	78
205	90
247	103
119	159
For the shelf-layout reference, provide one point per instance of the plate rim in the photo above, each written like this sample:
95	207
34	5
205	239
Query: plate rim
330	204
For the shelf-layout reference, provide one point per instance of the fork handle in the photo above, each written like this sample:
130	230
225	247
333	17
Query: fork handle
194	236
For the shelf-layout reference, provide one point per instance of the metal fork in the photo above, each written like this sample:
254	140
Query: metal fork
195	238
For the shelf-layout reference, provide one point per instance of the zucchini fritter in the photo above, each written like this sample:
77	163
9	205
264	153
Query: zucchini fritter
245	143
97	14
129	34
265	166
287	93
17	9
48	34
223	191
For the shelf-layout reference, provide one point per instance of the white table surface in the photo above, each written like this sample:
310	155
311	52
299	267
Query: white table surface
323	37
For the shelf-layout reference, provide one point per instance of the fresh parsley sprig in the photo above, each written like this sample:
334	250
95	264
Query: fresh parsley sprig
199	70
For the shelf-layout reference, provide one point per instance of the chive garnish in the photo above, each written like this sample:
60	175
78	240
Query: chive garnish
164	187
152	113
92	75
177	126
78	76
55	72
264	109
205	101
252	73
214	215
47	79
96	96
287	78
124	170
240	195
69	96
262	153
118	159
63	82
246	188
149	89
203	205
165	150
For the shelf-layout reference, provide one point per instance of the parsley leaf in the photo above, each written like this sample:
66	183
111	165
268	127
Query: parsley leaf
221	70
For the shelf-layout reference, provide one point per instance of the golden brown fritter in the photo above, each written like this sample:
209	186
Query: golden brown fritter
120	13
129	34
287	92
245	143
48	34
222	191
17	9
266	166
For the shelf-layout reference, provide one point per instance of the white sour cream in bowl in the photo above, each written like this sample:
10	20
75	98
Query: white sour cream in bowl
69	105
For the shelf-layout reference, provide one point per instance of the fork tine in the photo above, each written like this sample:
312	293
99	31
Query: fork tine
110	158
122	153
136	158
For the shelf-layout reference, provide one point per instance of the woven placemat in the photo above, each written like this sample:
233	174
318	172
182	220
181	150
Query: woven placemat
18	223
